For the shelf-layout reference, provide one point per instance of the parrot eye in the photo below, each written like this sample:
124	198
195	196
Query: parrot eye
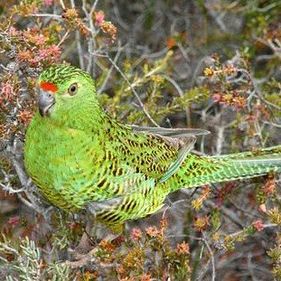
72	90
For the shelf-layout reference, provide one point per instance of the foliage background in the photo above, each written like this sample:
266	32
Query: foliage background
211	64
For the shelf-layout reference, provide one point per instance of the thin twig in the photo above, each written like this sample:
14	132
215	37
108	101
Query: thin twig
78	43
63	38
269	225
62	4
101	89
130	86
212	256
46	15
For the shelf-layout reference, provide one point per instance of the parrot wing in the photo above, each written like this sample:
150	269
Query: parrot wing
182	139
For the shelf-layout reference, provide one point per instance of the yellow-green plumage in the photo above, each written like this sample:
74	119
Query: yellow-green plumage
82	159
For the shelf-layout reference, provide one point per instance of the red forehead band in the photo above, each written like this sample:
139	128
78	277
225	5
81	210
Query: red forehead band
47	86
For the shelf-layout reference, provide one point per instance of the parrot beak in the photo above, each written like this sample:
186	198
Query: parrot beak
45	102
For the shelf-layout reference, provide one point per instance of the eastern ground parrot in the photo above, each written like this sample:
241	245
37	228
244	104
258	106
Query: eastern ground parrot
82	159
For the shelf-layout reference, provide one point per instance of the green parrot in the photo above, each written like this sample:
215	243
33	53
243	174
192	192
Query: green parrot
82	159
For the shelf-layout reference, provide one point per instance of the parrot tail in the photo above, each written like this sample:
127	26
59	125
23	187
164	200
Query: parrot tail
198	170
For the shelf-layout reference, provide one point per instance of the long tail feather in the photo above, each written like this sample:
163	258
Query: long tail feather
197	170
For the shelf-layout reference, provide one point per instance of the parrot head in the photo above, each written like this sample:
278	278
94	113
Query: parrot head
64	90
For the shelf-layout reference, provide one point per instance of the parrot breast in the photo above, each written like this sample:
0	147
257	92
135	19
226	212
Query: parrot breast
59	162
